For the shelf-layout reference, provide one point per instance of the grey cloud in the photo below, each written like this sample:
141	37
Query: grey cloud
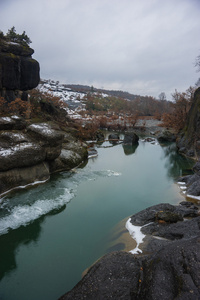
144	47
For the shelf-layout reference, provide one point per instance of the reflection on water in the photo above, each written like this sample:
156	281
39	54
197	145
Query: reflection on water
130	149
176	164
65	225
11	241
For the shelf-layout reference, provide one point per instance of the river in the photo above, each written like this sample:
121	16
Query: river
51	233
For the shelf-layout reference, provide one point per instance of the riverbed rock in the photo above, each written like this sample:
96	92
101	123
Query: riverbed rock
100	136
166	136
131	138
192	182
196	168
169	269
194	188
113	137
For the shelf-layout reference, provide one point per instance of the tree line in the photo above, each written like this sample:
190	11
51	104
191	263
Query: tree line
12	36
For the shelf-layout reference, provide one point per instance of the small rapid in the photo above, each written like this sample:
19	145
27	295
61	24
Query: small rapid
31	204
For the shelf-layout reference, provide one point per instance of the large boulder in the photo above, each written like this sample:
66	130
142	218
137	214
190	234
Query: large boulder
192	182
188	141
131	138
50	139
21	177
12	122
169	268
18	70
113	137
67	160
33	154
166	136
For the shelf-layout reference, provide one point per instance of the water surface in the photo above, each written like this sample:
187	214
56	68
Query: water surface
51	233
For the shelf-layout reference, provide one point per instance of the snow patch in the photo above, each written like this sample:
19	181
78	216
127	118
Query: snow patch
136	233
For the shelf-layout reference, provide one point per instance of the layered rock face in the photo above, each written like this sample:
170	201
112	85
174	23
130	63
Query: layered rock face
18	70
189	141
30	153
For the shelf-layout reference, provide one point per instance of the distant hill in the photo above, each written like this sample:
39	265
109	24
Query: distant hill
86	89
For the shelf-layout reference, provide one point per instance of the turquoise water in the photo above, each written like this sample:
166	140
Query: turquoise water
51	233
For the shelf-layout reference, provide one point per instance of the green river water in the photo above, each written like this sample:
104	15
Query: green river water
51	233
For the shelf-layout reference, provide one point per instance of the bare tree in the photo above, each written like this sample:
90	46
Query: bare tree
197	63
162	96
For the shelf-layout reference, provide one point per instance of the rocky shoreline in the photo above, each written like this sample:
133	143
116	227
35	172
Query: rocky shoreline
29	154
166	261
168	268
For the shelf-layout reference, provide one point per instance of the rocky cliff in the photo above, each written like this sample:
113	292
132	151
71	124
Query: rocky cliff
29	153
18	70
189	141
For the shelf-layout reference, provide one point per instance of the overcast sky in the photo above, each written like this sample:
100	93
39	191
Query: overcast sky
144	47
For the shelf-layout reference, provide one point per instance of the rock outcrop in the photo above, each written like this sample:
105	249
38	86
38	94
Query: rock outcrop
166	136
18	70
188	142
33	153
168	269
191	183
131	138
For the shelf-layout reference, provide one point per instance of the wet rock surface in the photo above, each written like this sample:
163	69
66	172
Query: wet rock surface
169	267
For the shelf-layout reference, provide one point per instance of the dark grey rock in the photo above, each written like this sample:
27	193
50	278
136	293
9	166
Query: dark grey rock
115	276
66	161
20	177
166	136
188	140
130	138
100	136
166	212
113	137
13	122
19	71
42	146
169	269
194	188
196	168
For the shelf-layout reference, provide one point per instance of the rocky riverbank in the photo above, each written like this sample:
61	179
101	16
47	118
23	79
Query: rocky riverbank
168	268
29	153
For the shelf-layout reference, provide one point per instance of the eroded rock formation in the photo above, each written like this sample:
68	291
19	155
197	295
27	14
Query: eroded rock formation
33	153
189	141
18	70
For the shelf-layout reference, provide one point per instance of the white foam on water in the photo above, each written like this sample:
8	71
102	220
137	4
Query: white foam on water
113	173
22	210
136	234
22	215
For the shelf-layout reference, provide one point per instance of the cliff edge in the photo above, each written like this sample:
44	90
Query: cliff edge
18	70
188	142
